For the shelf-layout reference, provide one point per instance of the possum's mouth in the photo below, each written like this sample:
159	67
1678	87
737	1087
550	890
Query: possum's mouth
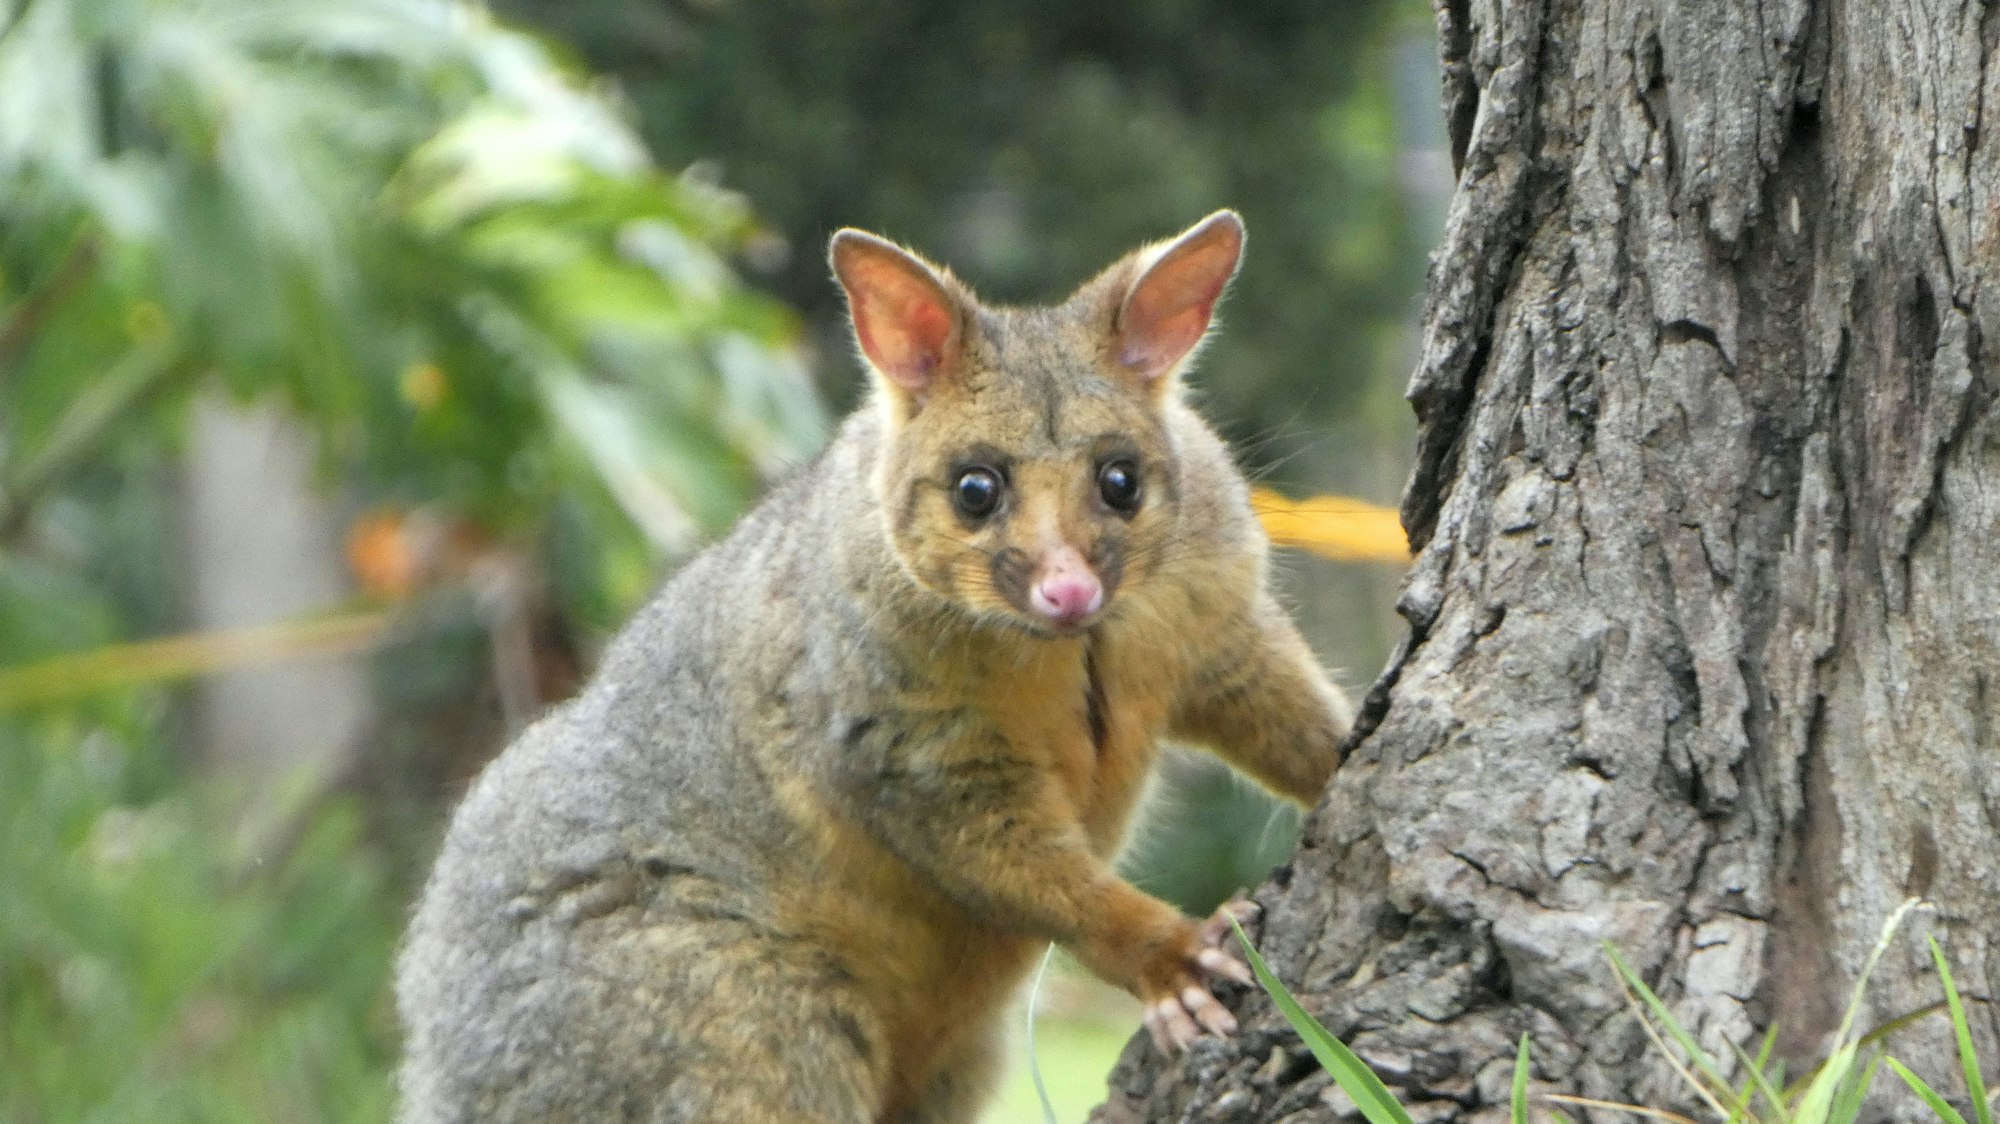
1042	628
1037	622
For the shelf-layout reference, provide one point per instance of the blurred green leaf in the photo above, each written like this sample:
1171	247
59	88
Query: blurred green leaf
1968	1057
147	975
1517	1100
45	610
1930	1096
1366	1090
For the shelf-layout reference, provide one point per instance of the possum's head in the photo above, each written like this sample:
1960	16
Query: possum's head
1027	469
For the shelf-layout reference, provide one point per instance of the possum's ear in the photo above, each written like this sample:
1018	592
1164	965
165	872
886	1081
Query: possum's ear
906	316
1167	310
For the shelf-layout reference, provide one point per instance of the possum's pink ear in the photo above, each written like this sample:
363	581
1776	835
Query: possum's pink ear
1167	310
905	318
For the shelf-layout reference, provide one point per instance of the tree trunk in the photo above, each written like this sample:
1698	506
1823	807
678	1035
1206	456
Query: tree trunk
1704	635
263	545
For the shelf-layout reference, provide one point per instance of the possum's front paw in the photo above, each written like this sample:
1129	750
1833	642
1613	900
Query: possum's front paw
1179	1004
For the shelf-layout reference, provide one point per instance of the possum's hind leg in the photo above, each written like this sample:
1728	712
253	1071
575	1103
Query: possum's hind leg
640	1016
769	1046
761	1028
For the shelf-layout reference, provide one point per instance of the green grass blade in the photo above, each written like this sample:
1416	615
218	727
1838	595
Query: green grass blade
1740	1111
1681	1037
1518	1102
1035	1066
1938	1104
1352	1074
1817	1103
1967	1057
1889	927
1847	1105
1740	1107
1755	1083
1758	1080
1776	1077
1845	1035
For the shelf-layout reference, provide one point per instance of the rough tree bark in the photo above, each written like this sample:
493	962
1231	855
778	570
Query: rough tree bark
1704	635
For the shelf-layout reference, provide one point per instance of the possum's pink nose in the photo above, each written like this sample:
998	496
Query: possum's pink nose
1067	591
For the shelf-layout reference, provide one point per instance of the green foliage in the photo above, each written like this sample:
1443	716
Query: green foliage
1831	1094
148	975
441	249
451	257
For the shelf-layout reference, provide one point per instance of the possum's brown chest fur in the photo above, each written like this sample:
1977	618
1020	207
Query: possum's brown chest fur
931	971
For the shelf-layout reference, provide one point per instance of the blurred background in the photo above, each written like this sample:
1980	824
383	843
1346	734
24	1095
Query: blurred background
364	362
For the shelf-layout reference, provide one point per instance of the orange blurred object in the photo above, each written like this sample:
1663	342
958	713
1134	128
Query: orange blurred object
382	557
395	553
1338	527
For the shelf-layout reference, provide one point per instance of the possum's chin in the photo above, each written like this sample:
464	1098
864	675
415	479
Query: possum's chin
1041	628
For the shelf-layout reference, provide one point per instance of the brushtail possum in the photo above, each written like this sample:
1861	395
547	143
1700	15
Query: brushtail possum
836	786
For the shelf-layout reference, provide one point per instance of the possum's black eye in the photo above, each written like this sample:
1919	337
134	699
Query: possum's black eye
1118	483
977	492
